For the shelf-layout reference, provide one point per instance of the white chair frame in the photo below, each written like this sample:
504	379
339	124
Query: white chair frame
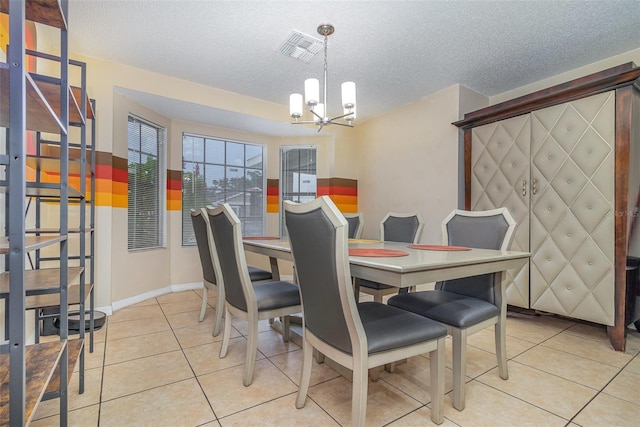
459	336
360	361
252	315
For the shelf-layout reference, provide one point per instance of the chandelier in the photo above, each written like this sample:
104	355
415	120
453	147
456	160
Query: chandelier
318	106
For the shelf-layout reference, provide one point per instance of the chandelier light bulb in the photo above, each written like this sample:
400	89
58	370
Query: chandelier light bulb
295	105
319	110
350	114
311	92
348	94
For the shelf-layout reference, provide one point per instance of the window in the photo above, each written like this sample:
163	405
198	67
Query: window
297	177
146	185
216	171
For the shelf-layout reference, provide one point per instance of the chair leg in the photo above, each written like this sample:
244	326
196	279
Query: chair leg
252	346
226	334
374	373
501	349
305	375
459	341
319	356
285	328
203	308
219	311
359	393
436	366
377	297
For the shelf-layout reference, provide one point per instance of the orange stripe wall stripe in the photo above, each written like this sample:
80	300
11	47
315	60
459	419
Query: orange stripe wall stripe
174	190
342	191
273	195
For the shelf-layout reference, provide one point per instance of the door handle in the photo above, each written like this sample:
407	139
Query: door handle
534	189
524	188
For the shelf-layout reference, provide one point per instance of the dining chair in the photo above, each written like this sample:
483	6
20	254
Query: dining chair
211	267
252	303
394	227
468	305
356	224
358	336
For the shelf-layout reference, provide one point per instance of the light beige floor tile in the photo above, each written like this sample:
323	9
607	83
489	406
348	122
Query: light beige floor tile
625	386
90	397
280	412
241	325
575	368
190	318
199	334
92	360
478	361
227	395
177	404
419	418
181	306
270	343
133	328
136	347
414	378
557	395
634	365
205	358
488	407
486	341
84	417
142	374
588	348
188	295
590	331
385	403
291	364
633	342
535	328
606	410
145	303
136	313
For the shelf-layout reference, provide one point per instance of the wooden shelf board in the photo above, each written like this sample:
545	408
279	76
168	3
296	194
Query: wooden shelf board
51	92
45	192
77	93
52	164
32	243
56	230
41	361
74	346
53	300
45	280
46	12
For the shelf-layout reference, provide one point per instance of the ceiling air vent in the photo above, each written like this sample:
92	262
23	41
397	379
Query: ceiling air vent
301	46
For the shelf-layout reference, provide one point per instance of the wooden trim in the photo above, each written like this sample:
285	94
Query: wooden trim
602	81
467	168
623	143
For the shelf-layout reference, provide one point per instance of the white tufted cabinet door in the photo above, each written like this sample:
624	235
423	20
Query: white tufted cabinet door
572	226
500	166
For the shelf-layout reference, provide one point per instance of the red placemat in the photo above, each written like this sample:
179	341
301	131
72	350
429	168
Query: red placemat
261	238
439	248
376	252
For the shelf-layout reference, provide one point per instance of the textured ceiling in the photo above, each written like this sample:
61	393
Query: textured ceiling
395	51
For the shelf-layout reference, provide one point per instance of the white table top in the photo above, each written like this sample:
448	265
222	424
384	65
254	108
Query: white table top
420	266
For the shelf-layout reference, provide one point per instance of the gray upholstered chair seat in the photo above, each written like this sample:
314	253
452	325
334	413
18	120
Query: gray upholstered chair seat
452	309
272	295
257	274
381	325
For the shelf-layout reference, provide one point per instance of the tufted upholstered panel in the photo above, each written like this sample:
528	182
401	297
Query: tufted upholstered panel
572	226
500	169
554	170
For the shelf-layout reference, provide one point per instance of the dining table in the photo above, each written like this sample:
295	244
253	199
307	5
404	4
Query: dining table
407	265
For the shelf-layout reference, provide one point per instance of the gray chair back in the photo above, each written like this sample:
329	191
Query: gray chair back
355	225
202	230
225	242
313	236
405	228
484	230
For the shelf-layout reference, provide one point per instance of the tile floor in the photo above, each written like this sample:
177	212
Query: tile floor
155	365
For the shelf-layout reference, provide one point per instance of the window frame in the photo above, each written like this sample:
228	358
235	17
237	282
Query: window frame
283	150
225	166
160	238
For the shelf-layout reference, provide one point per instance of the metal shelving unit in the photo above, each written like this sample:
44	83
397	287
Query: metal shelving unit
40	103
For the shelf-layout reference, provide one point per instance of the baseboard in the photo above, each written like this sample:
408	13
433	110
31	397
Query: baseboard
148	295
